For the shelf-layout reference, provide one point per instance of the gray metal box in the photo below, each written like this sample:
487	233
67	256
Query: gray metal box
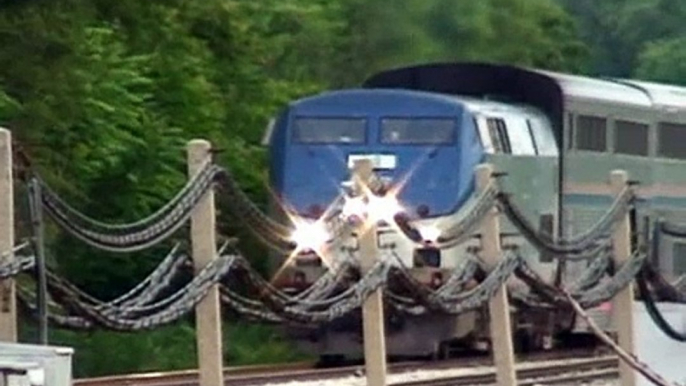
13	373
56	362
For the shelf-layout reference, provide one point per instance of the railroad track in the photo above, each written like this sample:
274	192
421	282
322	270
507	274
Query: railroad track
189	377
470	371
531	374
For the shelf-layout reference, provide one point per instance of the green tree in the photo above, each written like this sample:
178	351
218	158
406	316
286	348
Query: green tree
663	61
531	33
618	31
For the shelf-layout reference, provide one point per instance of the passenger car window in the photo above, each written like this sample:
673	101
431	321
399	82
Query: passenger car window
631	138
418	131
591	133
329	130
671	139
570	132
679	259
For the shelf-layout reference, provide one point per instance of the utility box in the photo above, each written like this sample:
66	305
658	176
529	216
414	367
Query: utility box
661	353
45	365
13	373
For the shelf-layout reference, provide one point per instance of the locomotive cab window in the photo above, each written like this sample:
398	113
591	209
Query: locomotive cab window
329	130
631	138
417	131
671	139
591	133
499	137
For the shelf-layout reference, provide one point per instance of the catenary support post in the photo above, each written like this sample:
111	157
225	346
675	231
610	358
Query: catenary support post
207	312
39	242
622	304
498	306
8	305
372	310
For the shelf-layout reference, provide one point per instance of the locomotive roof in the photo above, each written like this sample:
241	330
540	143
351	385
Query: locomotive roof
544	89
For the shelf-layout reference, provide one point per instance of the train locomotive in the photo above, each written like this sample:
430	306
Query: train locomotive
555	138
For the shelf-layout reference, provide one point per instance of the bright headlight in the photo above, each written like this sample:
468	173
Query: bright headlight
354	207
430	233
383	208
310	235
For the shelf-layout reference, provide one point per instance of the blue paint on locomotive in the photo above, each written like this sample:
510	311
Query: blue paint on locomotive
307	165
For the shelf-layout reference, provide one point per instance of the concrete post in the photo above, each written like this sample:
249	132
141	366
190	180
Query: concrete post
498	306
372	310
8	306
207	312
622	304
41	279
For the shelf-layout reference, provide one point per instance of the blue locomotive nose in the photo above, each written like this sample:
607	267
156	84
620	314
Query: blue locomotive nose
425	143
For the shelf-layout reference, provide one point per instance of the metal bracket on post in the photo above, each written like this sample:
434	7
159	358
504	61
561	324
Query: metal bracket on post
8	305
207	312
498	306
372	309
623	302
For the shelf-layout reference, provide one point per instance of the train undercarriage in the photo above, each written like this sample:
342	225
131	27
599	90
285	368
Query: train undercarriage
439	336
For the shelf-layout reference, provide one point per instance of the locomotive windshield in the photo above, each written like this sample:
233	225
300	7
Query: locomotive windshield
422	145
418	131
329	130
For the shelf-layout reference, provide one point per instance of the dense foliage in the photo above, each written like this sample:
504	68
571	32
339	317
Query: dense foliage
103	95
634	38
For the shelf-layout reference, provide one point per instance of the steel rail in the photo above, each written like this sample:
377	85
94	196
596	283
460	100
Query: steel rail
538	373
187	376
306	371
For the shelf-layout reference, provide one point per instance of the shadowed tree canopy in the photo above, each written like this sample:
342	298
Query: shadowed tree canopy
633	38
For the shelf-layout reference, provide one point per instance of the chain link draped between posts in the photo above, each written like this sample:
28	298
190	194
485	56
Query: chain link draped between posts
593	273
582	246
456	303
17	265
627	357
160	225
654	311
578	247
457	233
76	323
650	278
120	319
135	236
336	293
157	227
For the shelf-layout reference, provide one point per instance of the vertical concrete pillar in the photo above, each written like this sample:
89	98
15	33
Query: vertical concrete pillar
8	306
41	281
208	311
498	306
372	310
622	304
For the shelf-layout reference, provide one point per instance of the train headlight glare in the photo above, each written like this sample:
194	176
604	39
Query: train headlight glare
430	233
383	208
310	235
354	207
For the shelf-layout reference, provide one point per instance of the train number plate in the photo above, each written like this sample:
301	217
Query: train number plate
379	161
